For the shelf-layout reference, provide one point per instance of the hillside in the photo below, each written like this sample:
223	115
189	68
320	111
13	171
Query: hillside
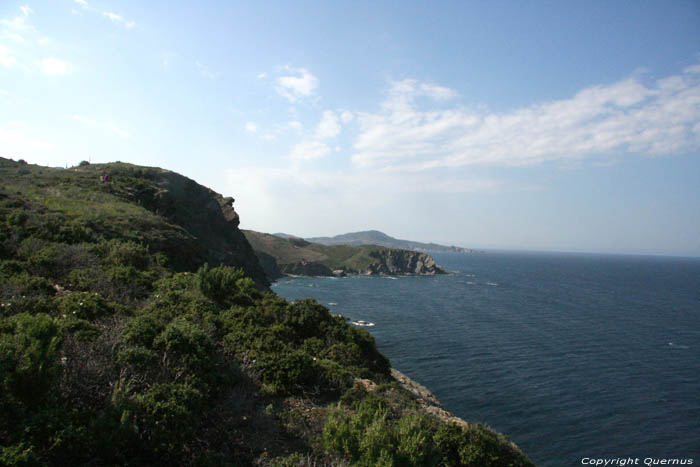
295	256
136	328
375	237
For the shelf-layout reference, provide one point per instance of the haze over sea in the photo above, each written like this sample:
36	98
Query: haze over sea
569	355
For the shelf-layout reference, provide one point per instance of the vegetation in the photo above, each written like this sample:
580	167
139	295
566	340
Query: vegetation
120	344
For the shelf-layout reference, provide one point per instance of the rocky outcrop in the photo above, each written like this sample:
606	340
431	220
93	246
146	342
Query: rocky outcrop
396	262
208	217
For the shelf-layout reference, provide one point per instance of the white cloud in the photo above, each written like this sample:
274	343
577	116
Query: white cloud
7	58
17	24
118	19
121	133
309	150
298	85
26	11
437	92
55	67
328	127
624	117
346	116
251	127
4	92
82	3
262	75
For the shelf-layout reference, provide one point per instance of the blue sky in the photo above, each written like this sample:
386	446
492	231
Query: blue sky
570	126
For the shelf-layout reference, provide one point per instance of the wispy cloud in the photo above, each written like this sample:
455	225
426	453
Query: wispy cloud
251	127
299	83
18	23
118	19
26	11
117	130
53	66
206	72
627	117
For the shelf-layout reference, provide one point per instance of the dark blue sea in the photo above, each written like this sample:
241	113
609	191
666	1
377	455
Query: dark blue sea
570	355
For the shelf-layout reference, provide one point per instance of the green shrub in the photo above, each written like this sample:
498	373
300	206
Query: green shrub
186	348
25	285
20	455
84	305
141	330
16	218
28	357
127	254
168	415
226	286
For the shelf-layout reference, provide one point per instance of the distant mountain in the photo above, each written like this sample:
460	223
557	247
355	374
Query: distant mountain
375	237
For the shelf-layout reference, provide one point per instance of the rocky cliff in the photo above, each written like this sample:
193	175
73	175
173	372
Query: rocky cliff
396	262
207	216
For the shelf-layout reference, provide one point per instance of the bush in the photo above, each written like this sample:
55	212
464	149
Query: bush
28	357
23	285
226	286
167	415
84	305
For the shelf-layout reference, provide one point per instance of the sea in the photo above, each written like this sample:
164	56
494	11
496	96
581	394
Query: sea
575	357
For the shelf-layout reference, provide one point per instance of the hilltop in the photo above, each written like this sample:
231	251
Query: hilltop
295	256
375	237
137	328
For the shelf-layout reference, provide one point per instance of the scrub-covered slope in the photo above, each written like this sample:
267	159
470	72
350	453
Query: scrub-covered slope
120	345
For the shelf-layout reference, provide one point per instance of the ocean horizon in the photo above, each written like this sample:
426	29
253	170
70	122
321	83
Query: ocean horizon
571	355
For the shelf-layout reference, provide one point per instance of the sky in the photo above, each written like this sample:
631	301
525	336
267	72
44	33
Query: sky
535	125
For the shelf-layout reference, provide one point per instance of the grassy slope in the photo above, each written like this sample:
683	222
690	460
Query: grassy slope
118	346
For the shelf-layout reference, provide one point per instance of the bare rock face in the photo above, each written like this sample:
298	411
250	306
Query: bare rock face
395	262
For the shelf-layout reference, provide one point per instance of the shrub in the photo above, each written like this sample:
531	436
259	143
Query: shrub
23	284
226	286
168	415
84	305
186	348
28	357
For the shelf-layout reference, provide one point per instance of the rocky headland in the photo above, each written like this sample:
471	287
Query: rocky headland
297	257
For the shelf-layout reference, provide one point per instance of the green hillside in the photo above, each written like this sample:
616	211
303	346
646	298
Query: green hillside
137	328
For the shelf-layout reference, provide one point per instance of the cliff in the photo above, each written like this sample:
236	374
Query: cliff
294	256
